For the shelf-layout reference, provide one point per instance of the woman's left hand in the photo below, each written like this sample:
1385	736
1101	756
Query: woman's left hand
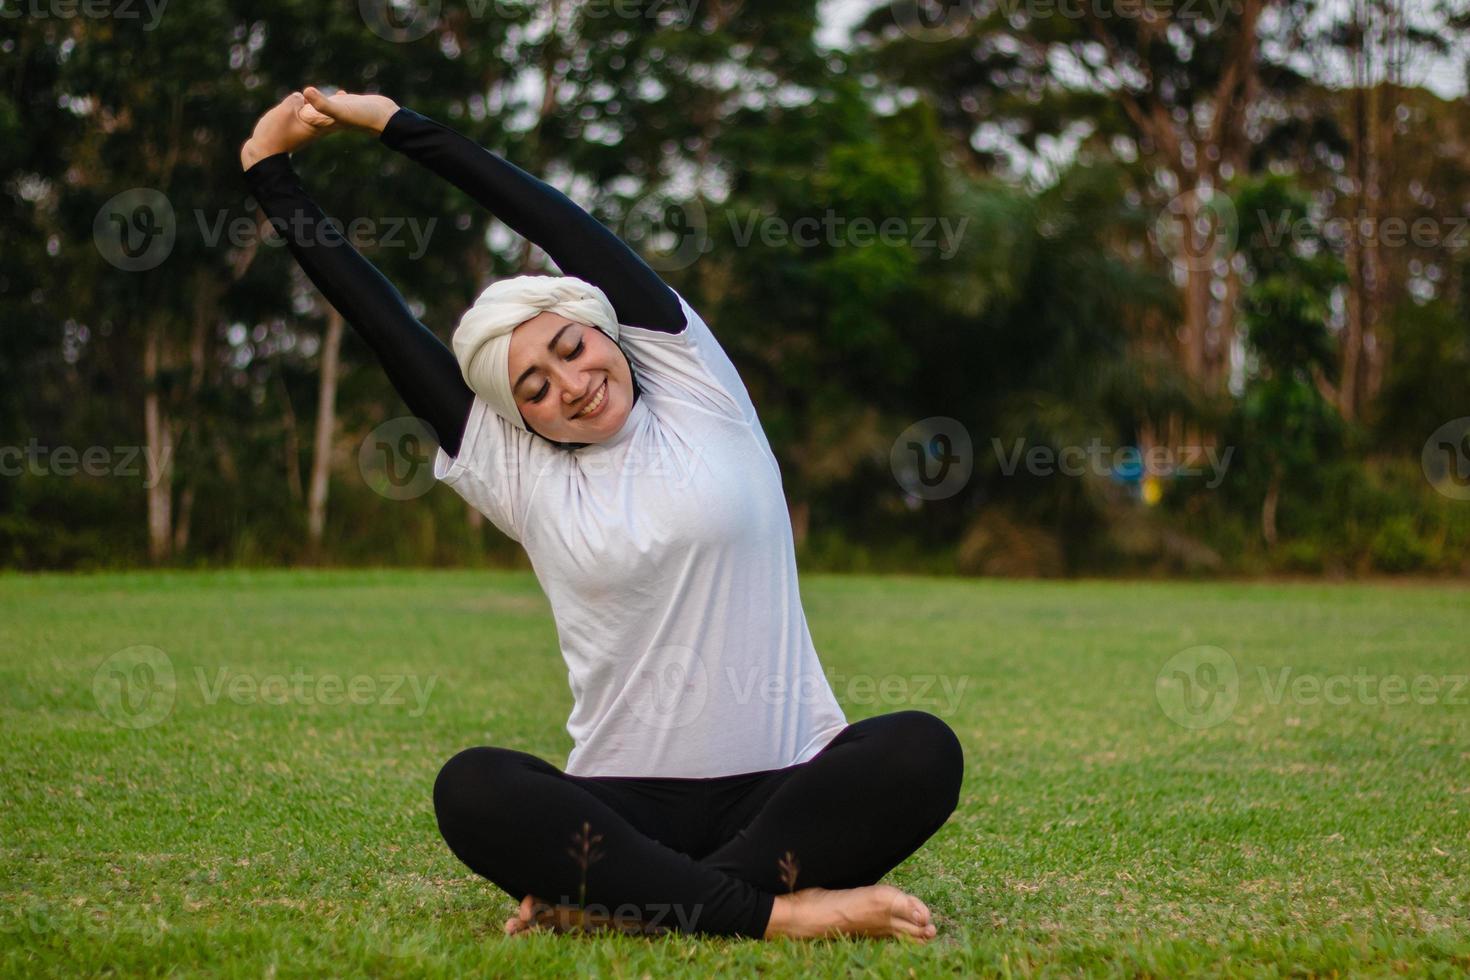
280	130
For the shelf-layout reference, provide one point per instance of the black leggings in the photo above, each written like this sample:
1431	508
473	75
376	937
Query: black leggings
703	855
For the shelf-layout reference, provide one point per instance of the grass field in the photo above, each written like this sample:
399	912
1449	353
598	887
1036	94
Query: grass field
1302	816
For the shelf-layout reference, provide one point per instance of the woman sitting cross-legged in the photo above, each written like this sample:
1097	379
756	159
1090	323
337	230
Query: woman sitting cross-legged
714	786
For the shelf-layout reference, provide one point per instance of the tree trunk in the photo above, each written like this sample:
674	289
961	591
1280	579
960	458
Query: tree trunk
1229	308
159	456
326	423
292	447
1268	508
185	515
1196	321
537	155
1373	199
207	290
1352	335
1364	265
1197	243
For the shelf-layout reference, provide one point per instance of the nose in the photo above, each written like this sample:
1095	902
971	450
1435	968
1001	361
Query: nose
571	382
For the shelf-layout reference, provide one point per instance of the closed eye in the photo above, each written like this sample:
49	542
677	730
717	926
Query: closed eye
546	386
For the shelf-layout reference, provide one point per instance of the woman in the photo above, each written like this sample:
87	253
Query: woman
715	786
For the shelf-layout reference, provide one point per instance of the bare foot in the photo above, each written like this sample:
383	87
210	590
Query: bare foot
535	914
524	919
877	910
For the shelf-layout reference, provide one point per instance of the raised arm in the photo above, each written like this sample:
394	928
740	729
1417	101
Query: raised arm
577	242
422	369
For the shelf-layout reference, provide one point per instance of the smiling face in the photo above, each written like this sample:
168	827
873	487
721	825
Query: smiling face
571	382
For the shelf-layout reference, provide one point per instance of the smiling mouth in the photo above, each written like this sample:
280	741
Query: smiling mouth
595	405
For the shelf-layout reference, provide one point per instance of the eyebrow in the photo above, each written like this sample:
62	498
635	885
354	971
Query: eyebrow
550	346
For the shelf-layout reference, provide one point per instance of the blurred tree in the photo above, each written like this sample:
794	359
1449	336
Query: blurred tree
1178	90
756	171
820	310
1395	141
1286	421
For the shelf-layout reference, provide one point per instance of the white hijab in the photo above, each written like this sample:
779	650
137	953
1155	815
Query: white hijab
482	339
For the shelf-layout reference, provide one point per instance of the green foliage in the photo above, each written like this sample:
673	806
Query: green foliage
1288	424
1030	307
1427	380
1399	546
1292	273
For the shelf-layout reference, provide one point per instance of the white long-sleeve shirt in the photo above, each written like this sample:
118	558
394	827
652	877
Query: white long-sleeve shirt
666	552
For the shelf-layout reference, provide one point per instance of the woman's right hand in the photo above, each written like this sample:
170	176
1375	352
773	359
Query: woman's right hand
369	113
284	129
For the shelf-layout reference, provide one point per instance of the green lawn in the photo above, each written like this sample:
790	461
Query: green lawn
1319	824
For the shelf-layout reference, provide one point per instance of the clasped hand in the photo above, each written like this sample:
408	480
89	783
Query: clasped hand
304	116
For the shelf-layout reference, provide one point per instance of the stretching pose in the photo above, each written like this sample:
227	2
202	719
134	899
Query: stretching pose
715	786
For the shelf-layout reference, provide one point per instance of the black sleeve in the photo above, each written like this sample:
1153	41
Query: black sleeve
422	369
577	242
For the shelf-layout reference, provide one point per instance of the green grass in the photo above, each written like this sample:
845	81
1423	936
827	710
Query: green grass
1094	835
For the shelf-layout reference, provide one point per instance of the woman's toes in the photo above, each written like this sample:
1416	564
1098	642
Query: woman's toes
913	930
911	916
